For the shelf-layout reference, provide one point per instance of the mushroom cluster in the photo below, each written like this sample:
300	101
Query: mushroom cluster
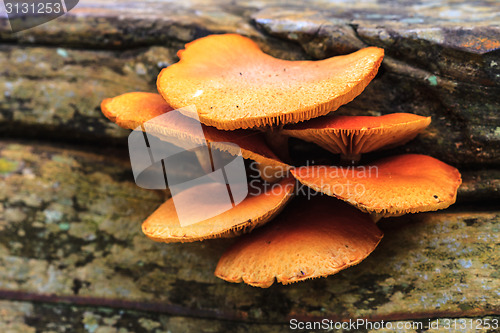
252	100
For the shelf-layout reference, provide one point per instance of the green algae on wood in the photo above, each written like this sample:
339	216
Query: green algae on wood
7	166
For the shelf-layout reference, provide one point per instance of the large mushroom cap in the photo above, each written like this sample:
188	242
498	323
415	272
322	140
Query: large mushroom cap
259	207
235	85
314	238
132	110
391	187
354	135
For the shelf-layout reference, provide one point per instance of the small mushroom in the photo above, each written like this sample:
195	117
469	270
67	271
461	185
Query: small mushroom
352	136
132	110
260	206
235	85
391	187
314	238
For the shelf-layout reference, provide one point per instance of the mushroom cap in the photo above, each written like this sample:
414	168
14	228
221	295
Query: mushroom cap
233	84
352	135
391	187
314	238
260	206
132	110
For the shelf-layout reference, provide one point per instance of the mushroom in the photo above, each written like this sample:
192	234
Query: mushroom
260	206
352	136
235	85
313	239
235	88
393	186
133	110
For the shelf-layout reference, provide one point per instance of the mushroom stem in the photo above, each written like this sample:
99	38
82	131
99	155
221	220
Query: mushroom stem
209	163
270	174
278	142
376	216
204	160
349	159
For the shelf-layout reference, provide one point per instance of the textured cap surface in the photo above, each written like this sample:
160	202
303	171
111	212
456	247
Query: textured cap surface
259	207
233	84
353	135
313	238
391	187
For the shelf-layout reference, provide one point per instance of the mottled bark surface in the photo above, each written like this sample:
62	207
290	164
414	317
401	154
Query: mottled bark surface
70	231
72	256
35	317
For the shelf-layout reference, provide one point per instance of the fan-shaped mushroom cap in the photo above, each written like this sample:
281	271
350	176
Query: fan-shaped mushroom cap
132	110
235	85
391	187
354	135
259	207
314	238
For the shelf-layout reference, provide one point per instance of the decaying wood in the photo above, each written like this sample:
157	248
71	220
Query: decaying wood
28	317
70	231
72	256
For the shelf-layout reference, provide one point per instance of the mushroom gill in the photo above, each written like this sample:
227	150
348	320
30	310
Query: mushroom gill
352	136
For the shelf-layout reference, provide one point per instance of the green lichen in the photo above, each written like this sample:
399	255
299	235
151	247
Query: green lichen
62	52
432	80
7	166
64	226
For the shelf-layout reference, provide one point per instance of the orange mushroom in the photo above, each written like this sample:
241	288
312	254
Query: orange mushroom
233	84
313	239
132	110
391	187
236	87
260	206
352	136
